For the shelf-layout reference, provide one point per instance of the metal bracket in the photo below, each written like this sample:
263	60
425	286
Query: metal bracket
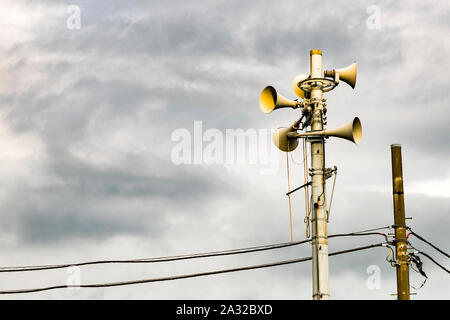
324	84
298	188
399	226
327	172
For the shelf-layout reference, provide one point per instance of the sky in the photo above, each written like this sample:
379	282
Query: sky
93	95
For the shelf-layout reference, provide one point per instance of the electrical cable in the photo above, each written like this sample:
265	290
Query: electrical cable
179	257
359	234
185	276
332	193
390	256
305	179
422	284
374	229
292	157
430	244
289	190
416	260
434	261
157	259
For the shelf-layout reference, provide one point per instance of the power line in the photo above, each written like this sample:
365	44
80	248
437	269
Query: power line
179	257
355	234
158	259
185	276
430	244
374	229
416	260
434	261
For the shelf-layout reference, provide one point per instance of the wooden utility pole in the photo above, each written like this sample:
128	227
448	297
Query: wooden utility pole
401	243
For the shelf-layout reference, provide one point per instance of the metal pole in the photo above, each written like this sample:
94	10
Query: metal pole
401	249
321	289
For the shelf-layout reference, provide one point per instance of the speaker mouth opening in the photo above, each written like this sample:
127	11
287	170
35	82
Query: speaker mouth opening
357	130
282	141
268	99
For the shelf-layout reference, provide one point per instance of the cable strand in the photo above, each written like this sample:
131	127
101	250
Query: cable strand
180	257
185	276
430	244
157	259
434	261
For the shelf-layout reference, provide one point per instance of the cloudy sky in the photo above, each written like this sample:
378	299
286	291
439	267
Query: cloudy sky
87	114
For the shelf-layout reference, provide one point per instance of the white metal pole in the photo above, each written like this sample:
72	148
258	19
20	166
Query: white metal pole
321	289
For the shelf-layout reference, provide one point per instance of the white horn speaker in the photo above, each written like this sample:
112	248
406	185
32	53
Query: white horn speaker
281	141
347	74
299	78
351	131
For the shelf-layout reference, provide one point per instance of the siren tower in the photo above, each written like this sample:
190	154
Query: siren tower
310	88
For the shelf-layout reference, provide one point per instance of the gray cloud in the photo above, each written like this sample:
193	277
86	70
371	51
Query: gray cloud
104	100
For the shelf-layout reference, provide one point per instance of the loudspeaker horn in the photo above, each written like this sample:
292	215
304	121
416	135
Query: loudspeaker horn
352	131
347	74
270	100
299	78
282	141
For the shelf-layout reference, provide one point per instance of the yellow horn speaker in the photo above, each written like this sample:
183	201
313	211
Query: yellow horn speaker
351	131
270	100
347	74
299	78
281	141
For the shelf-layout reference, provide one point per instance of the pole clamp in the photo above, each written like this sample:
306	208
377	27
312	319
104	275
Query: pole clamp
320	295
394	241
399	226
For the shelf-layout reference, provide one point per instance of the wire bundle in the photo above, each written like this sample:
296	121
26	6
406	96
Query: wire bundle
387	244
